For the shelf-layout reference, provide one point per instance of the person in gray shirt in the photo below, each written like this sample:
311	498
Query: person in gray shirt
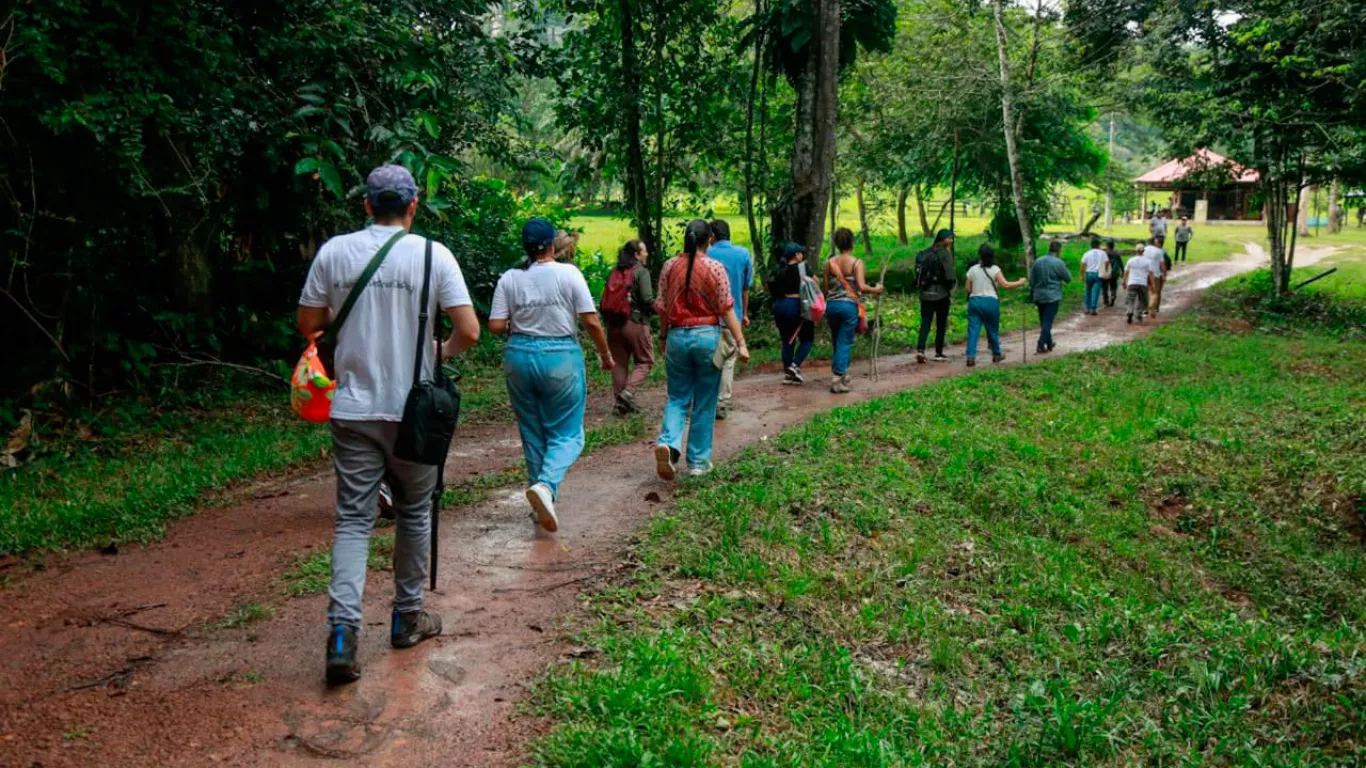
1184	235
1046	280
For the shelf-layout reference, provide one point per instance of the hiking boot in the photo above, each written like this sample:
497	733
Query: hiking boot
840	385
666	461
1052	345
409	629
920	357
997	358
342	666
543	504
722	411
972	362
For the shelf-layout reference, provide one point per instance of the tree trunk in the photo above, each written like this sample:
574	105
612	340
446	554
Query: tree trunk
1302	210
901	216
637	194
800	216
1012	150
863	221
754	243
1335	208
920	206
834	214
1086	228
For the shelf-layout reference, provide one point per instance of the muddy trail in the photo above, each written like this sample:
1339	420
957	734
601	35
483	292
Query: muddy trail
123	660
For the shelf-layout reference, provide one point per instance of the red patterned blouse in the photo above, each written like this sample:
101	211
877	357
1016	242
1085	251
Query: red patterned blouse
707	298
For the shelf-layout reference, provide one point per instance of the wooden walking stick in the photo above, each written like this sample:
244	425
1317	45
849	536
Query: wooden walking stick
877	315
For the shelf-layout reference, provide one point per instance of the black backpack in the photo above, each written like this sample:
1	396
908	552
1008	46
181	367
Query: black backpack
929	270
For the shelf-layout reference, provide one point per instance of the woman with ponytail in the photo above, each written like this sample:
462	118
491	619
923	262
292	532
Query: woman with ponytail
541	304
626	306
694	299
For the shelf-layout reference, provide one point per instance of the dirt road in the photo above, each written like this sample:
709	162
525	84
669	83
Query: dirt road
115	661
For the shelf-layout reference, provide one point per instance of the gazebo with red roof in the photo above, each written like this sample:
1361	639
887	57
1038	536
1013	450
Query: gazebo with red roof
1206	186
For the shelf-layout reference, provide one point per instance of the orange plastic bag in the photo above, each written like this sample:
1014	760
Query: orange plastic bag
310	390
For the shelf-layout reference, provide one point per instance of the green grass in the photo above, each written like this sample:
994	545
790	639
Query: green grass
312	574
244	614
1146	555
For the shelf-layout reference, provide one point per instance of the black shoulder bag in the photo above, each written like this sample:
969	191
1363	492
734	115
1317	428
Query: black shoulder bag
327	342
432	408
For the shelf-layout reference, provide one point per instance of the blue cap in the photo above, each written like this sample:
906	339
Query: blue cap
538	235
792	249
390	184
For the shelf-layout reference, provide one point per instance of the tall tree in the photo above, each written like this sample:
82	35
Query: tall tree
637	195
1017	183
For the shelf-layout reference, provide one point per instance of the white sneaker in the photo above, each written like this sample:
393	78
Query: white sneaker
541	500
665	463
700	471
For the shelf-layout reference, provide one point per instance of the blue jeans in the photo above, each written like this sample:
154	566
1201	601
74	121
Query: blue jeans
797	333
693	384
1093	284
548	390
984	311
1047	313
843	317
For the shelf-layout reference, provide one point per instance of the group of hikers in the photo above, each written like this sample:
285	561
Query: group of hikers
701	304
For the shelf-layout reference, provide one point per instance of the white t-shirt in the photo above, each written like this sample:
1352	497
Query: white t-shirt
375	349
1157	256
545	300
981	281
1092	260
1139	268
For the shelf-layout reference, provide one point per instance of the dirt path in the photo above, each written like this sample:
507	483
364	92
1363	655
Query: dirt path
110	661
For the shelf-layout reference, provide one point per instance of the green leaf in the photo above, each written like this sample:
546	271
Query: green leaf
331	178
428	121
305	165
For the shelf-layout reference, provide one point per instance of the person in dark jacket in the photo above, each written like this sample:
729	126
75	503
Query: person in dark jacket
797	333
1111	286
935	293
1046	280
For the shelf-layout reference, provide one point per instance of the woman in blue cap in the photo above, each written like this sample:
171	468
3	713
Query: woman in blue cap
797	333
541	303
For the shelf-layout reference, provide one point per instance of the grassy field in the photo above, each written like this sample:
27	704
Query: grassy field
1147	555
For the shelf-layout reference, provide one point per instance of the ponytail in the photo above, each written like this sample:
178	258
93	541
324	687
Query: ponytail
696	236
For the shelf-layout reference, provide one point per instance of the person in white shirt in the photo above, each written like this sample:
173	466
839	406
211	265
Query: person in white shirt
1161	265
541	304
1137	277
1091	264
375	348
984	302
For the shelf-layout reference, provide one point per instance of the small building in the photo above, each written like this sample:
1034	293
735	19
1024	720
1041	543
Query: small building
1205	186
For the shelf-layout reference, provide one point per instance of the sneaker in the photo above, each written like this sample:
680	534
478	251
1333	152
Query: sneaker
705	469
840	385
1041	350
789	376
666	461
920	357
941	358
722	411
543	503
997	358
1052	345
386	502
628	398
797	374
342	666
972	362
409	629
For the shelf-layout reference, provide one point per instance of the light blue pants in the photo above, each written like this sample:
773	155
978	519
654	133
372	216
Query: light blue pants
984	311
1093	285
548	390
693	384
843	317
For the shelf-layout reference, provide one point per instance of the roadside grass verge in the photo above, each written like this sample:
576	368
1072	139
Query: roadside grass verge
311	575
1150	554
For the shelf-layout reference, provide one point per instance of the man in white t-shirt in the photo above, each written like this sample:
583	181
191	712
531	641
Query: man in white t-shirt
375	347
1161	265
1137	277
1091	264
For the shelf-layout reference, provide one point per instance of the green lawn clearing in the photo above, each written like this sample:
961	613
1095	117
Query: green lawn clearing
1153	554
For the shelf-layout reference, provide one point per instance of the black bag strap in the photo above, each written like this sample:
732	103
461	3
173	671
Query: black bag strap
422	314
334	328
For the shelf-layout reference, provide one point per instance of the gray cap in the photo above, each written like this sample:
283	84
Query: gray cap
390	184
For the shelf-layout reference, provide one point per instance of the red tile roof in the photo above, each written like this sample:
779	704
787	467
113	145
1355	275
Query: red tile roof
1203	159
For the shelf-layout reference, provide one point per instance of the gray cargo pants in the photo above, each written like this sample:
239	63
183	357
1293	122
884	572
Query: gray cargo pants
363	453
